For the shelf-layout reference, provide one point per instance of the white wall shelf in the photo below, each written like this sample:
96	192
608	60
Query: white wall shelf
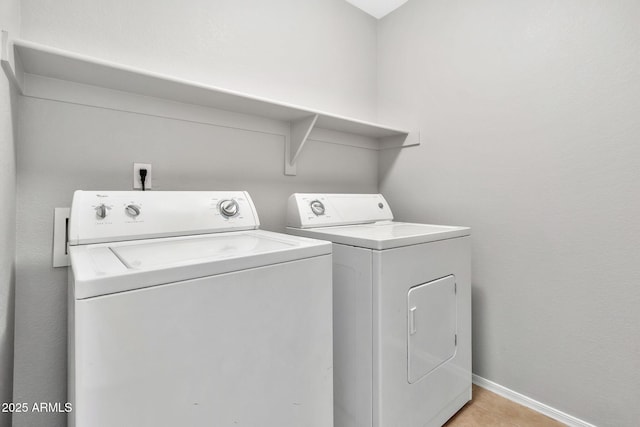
23	60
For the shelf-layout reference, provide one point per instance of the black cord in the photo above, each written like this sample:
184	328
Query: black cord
143	177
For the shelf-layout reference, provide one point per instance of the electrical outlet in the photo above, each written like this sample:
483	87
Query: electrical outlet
137	182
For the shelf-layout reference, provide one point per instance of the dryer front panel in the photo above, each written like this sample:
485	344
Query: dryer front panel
421	379
431	326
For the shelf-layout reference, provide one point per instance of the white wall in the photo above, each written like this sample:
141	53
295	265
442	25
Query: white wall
529	113
9	21
317	53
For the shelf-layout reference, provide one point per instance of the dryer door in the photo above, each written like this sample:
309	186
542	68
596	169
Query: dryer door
431	326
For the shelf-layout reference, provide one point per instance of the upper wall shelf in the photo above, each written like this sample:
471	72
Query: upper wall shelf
35	59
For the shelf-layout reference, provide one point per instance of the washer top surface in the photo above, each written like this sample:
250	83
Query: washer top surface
108	268
383	235
126	240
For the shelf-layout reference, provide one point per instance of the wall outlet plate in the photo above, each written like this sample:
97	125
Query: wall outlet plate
60	237
137	182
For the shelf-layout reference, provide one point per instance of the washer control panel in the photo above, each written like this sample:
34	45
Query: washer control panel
110	216
308	210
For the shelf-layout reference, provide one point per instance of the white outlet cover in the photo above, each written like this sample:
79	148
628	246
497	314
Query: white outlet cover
137	184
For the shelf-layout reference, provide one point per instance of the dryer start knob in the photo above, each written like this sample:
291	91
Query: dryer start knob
229	208
317	207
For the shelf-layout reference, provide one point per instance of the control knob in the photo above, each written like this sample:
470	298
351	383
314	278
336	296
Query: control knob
229	208
317	207
102	211
132	210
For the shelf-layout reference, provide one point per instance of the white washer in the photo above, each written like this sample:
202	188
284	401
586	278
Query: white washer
183	313
402	311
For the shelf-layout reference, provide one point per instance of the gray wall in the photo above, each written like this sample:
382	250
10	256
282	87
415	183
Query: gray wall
529	113
317	53
9	21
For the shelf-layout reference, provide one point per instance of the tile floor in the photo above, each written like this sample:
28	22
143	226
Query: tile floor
487	409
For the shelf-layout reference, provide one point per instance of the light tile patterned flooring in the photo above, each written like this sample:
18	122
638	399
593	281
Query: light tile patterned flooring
487	409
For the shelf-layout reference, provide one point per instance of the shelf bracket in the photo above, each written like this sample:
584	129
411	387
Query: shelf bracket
10	63
300	130
400	141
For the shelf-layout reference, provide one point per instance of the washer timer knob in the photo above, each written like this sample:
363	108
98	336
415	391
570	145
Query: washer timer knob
132	210
229	208
317	207
101	211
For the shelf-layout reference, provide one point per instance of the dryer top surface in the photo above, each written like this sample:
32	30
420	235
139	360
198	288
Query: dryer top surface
384	234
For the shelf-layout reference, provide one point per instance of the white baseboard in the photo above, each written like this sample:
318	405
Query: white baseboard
530	403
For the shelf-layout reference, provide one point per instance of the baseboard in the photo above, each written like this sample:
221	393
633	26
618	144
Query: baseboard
530	403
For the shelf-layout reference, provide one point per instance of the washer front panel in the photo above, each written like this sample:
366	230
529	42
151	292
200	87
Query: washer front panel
251	348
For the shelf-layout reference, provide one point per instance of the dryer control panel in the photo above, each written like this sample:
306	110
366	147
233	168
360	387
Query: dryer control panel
111	216
308	210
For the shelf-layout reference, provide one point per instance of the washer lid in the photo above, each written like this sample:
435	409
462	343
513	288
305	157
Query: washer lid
153	255
383	235
107	268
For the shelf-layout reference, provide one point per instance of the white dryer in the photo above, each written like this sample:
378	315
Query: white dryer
402	311
183	313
